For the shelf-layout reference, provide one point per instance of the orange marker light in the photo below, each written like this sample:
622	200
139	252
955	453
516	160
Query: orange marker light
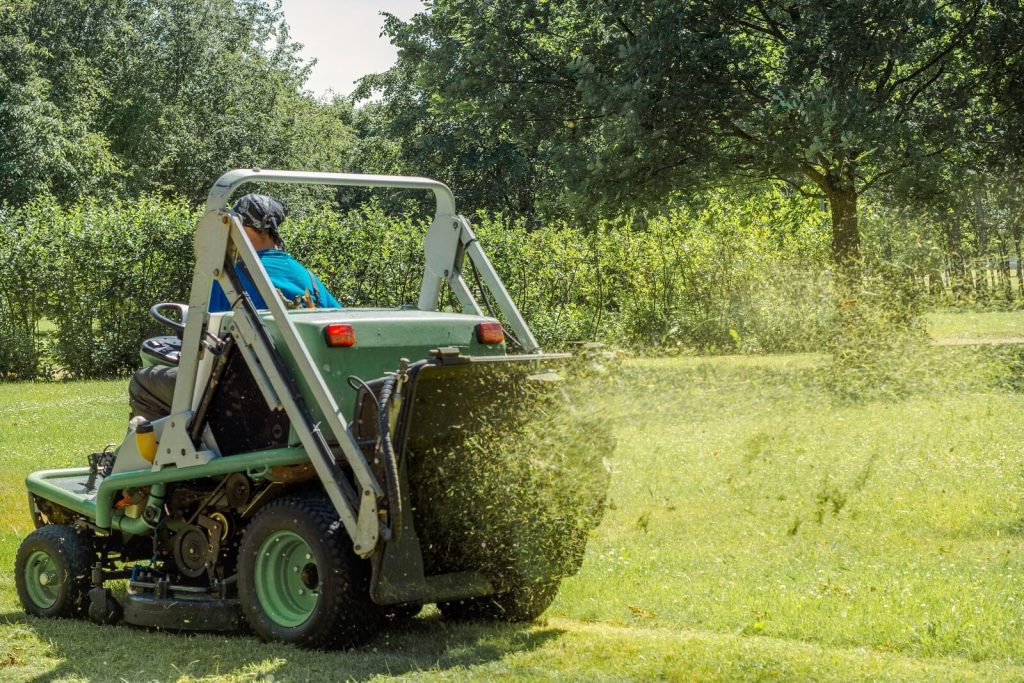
340	335
490	333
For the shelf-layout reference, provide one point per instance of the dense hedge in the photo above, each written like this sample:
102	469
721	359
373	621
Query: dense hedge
91	272
77	281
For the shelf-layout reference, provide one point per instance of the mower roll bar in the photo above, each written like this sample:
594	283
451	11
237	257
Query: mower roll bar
222	248
229	182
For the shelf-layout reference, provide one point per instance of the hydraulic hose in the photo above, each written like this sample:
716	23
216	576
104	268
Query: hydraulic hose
390	459
143	525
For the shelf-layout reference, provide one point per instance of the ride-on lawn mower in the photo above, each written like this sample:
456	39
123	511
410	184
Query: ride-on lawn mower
324	471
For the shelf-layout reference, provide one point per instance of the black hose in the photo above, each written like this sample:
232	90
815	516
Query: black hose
387	449
357	383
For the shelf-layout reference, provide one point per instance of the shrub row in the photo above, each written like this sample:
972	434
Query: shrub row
87	274
77	281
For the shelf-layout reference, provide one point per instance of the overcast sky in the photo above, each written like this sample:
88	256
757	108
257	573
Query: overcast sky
344	37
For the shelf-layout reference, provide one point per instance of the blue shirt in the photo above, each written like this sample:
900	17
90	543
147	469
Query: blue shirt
286	274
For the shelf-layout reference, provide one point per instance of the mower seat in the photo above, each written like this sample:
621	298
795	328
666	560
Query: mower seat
164	350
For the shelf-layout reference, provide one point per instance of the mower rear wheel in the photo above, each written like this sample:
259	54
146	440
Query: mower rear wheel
299	580
52	571
519	604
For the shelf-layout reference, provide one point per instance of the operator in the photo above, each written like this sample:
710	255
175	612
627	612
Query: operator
261	217
151	390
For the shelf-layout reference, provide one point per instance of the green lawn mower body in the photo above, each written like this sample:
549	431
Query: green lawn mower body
286	489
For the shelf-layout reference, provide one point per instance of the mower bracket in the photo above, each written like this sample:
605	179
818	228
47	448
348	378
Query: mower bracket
368	525
175	445
449	355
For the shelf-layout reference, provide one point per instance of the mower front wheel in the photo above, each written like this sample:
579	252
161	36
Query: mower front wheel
52	570
299	580
519	604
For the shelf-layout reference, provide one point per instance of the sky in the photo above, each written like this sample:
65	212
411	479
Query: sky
344	37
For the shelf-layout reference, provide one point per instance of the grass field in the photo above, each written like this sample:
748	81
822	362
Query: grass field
957	326
758	529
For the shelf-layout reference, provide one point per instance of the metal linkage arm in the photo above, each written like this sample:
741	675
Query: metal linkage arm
490	277
446	246
364	527
220	243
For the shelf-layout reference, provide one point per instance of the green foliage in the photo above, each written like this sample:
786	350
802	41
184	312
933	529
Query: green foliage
730	274
123	99
1002	69
364	257
19	352
28	273
726	274
602	107
114	262
93	271
961	242
49	90
558	276
427	123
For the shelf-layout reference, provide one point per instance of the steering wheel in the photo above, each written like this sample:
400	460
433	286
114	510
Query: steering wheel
157	312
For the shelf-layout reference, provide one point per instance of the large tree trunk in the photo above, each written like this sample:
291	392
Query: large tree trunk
839	184
845	231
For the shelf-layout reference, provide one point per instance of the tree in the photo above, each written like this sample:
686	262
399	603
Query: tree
624	102
137	96
44	115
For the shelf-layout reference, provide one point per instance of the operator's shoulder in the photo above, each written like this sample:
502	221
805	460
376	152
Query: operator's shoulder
277	256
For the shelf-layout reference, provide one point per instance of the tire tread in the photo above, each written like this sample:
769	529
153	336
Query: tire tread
353	617
69	546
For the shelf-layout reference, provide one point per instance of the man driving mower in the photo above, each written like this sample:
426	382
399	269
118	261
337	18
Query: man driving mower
151	390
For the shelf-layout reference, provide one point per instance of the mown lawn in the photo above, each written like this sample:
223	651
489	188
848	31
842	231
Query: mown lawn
758	529
968	325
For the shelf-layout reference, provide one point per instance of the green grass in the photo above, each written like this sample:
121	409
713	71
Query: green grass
955	325
757	530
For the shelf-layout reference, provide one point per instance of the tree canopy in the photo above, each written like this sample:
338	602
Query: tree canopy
624	102
541	109
120	98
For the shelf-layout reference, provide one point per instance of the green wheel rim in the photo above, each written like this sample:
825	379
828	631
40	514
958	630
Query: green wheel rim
287	578
42	579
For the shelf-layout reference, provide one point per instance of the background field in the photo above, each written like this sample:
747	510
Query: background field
758	529
957	326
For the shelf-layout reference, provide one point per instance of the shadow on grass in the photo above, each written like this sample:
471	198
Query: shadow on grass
84	650
1014	528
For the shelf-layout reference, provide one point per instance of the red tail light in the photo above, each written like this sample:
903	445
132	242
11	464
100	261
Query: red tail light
340	335
490	333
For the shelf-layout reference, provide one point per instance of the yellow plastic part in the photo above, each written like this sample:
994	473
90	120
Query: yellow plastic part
146	443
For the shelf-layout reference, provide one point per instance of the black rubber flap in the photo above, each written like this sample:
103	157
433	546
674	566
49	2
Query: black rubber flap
182	614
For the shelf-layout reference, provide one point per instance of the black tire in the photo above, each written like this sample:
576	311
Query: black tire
52	571
341	614
520	604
